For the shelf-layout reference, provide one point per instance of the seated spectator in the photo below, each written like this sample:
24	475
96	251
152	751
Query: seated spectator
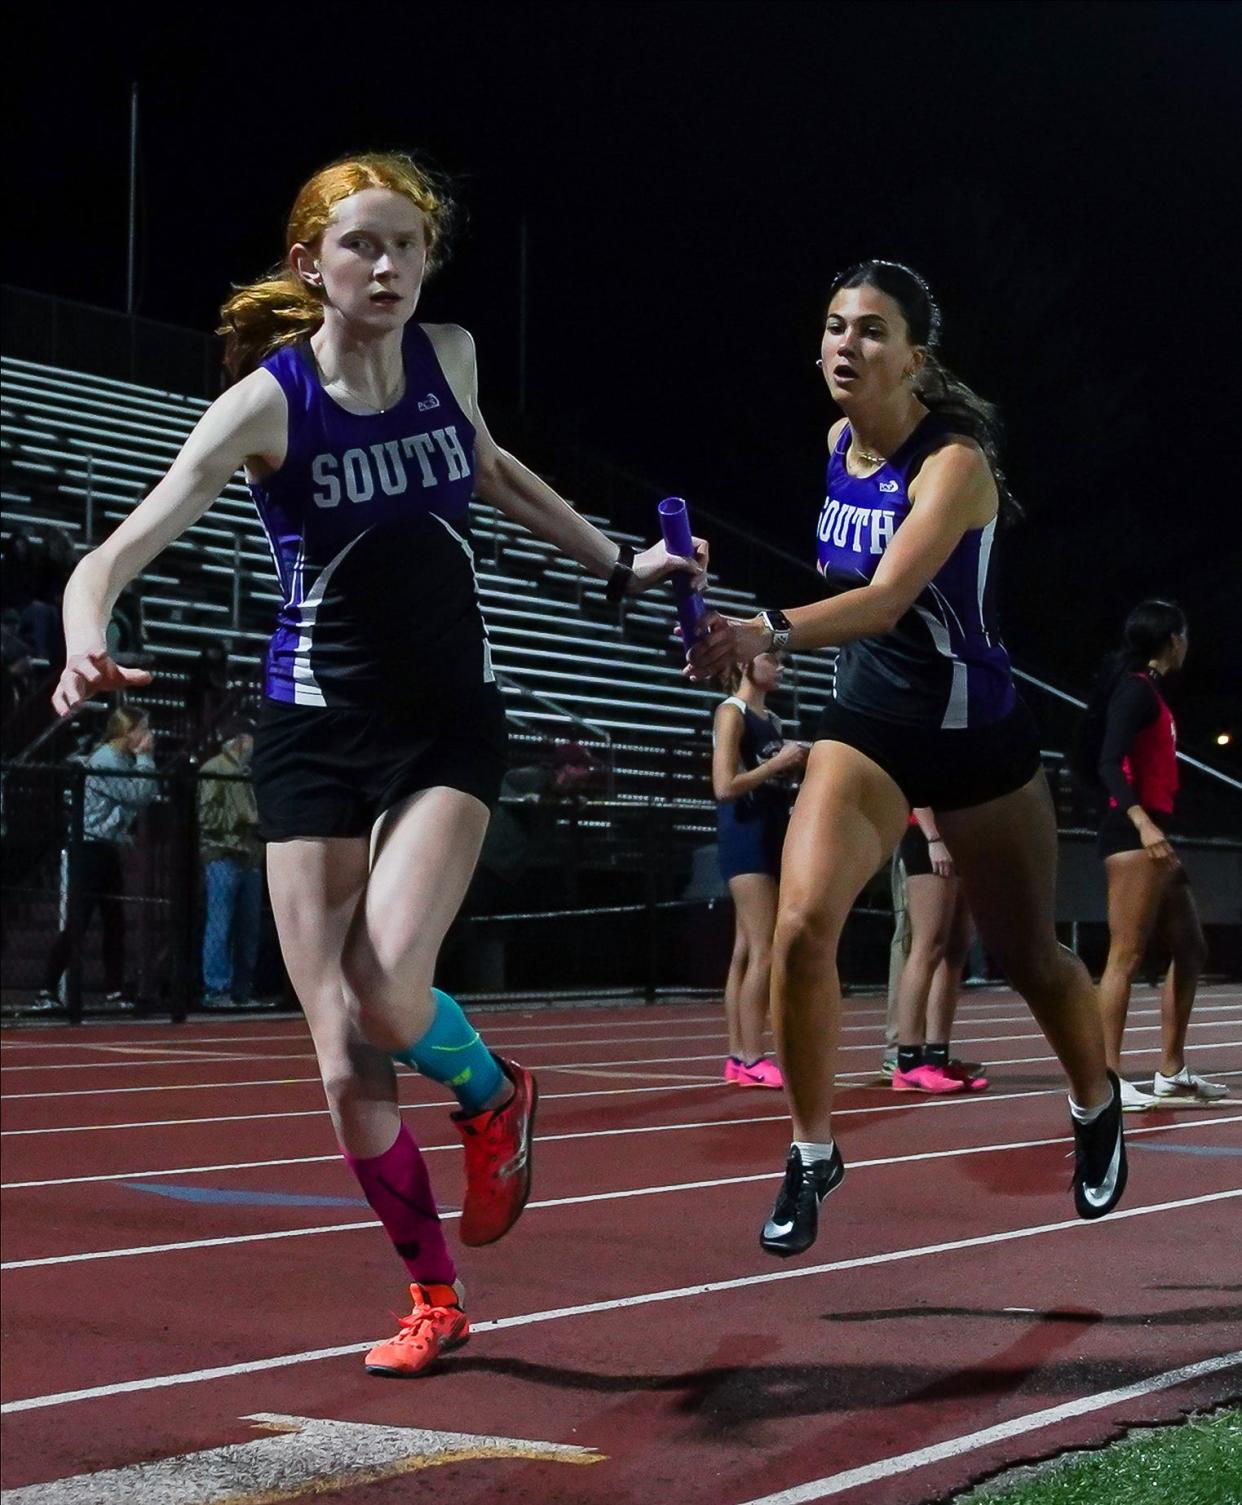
575	770
125	642
18	572
15	662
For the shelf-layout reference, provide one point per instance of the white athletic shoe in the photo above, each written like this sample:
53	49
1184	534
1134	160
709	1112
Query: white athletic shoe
1134	1101
1187	1086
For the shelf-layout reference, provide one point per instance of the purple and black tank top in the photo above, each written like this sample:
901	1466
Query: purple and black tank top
944	664
368	522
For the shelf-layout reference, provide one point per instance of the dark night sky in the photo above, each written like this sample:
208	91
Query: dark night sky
692	175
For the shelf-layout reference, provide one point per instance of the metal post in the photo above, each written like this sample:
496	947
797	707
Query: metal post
237	582
184	892
653	946
523	273
90	498
133	199
575	851
73	918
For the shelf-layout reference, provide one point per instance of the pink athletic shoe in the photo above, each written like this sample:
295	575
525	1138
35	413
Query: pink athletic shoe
763	1073
927	1079
730	1071
968	1072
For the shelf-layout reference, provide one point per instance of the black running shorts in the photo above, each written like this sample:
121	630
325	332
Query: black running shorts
1118	833
333	771
948	770
916	854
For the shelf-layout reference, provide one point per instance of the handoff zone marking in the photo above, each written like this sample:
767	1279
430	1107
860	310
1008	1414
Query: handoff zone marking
300	1455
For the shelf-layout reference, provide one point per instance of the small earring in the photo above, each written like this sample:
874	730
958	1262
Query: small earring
820	364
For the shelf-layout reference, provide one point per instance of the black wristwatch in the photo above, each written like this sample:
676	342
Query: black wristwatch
622	574
779	625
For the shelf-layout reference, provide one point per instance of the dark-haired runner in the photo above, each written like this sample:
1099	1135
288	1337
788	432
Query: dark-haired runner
1148	890
924	713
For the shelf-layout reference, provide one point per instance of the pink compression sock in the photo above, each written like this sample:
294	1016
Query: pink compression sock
398	1188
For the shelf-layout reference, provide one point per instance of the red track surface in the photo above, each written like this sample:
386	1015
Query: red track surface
788	1374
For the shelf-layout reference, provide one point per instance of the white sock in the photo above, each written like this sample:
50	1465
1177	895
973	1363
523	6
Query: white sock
811	1152
1086	1115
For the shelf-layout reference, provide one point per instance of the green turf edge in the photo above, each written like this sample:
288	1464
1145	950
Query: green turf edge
1197	1461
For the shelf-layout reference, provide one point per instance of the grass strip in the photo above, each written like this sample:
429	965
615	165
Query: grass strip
1198	1462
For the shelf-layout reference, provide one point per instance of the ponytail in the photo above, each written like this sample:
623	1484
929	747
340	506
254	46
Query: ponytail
1145	635
935	386
950	398
279	309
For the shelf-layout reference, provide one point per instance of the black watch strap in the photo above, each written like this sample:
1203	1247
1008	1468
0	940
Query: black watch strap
622	573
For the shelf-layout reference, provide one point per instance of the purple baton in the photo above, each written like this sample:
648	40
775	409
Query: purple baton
675	525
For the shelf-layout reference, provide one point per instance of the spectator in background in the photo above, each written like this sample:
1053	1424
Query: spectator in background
124	634
18	571
113	801
208	688
44	565
228	828
15	656
575	770
939	928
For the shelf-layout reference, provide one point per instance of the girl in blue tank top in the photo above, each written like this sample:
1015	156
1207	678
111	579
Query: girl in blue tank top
753	768
924	714
381	738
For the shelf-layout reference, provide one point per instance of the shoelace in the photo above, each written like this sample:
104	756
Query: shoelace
412	1323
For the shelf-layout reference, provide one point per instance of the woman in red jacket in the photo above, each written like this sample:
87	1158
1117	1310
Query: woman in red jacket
1148	892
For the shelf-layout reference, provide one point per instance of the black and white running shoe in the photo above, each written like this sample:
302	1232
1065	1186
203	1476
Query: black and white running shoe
795	1218
1100	1159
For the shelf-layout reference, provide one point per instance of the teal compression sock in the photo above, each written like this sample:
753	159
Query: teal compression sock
452	1053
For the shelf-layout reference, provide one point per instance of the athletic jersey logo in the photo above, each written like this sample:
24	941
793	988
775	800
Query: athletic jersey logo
859	529
428	403
889	486
381	467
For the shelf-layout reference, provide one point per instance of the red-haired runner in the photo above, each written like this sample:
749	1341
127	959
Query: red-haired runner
381	741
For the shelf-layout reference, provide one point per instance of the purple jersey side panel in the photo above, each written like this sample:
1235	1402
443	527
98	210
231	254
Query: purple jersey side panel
944	663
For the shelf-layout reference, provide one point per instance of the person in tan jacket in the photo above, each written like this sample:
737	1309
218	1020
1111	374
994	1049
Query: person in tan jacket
228	827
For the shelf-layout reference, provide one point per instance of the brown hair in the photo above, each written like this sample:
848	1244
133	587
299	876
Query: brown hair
122	721
280	309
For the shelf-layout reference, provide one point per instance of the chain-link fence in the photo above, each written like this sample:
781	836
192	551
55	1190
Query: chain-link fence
578	895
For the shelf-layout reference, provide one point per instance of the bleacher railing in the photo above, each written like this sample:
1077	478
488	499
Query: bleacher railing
105	342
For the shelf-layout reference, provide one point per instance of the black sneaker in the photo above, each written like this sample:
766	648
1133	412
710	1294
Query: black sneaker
795	1218
1100	1159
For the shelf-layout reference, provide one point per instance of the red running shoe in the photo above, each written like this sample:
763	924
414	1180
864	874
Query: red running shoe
498	1160
436	1325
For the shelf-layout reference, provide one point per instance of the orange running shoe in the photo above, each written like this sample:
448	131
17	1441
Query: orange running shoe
436	1325
498	1154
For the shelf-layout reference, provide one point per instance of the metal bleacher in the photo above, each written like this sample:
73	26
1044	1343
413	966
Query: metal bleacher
79	451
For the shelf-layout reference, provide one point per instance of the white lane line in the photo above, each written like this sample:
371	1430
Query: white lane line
970	1008
247	1118
1033	1421
542	1066
582	1200
587	1309
180	1058
957	1100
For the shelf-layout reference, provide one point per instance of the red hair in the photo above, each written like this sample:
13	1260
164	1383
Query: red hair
281	309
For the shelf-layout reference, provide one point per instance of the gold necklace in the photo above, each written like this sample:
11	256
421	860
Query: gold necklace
865	457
